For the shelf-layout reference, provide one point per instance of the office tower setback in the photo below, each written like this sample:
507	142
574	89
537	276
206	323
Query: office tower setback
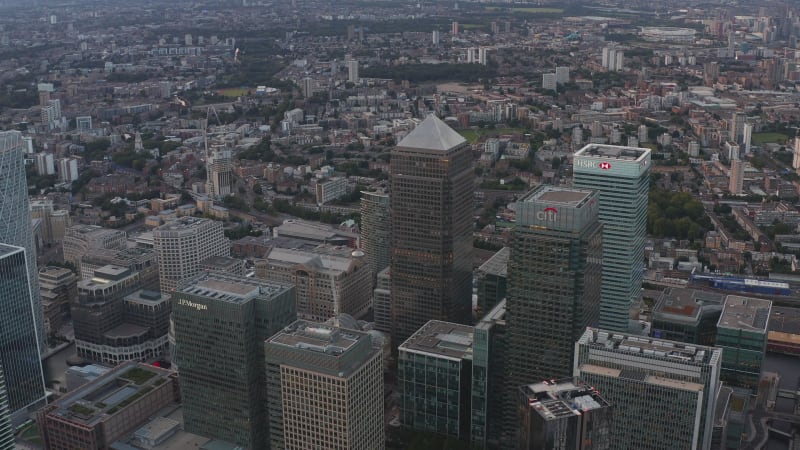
329	280
563	414
313	369
663	393
16	230
19	350
376	230
621	175
182	244
221	322
488	372
382	302
742	335
492	277
553	279
434	371
97	414
431	202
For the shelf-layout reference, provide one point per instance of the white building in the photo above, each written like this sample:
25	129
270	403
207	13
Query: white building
68	169
331	190
562	74
549	82
352	71
45	164
183	244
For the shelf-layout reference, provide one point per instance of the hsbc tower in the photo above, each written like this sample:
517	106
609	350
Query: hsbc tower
621	175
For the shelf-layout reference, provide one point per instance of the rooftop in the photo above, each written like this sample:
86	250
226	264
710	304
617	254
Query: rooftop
229	288
648	347
317	337
147	297
561	195
497	264
613	151
555	399
432	134
681	303
745	313
109	393
785	320
441	339
182	223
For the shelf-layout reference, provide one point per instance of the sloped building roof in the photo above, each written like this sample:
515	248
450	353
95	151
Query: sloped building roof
432	134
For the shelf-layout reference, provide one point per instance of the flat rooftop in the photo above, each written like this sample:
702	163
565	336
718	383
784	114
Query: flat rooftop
147	297
441	339
562	195
785	320
556	399
497	264
685	303
317	337
745	313
182	223
107	395
613	152
648	347
229	288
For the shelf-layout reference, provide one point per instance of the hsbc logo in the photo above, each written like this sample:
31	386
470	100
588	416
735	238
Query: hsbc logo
604	165
547	215
589	164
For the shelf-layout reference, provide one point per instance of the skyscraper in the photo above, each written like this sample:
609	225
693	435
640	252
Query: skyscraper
376	230
663	392
553	279
324	389
6	430
183	244
736	180
19	350
221	322
15	221
563	414
488	372
431	197
622	177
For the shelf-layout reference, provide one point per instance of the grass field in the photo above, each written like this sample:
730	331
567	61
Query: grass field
234	92
474	135
769	138
31	434
470	26
529	10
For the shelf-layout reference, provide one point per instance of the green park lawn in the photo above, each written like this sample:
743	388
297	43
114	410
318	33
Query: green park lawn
769	138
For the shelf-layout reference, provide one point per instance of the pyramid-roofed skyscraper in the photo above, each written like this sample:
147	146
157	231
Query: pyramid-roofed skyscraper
432	184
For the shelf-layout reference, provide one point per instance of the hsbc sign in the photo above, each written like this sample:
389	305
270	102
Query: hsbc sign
589	164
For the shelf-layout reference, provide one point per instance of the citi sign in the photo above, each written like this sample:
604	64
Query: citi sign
585	163
547	215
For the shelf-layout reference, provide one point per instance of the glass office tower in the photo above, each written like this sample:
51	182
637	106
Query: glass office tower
19	352
621	175
15	218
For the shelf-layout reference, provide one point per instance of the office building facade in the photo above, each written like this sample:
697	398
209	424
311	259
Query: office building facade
492	277
434	371
314	369
431	210
58	288
553	276
488	378
6	430
563	414
221	322
376	230
621	175
15	220
657	388
82	239
328	280
183	244
19	350
742	335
